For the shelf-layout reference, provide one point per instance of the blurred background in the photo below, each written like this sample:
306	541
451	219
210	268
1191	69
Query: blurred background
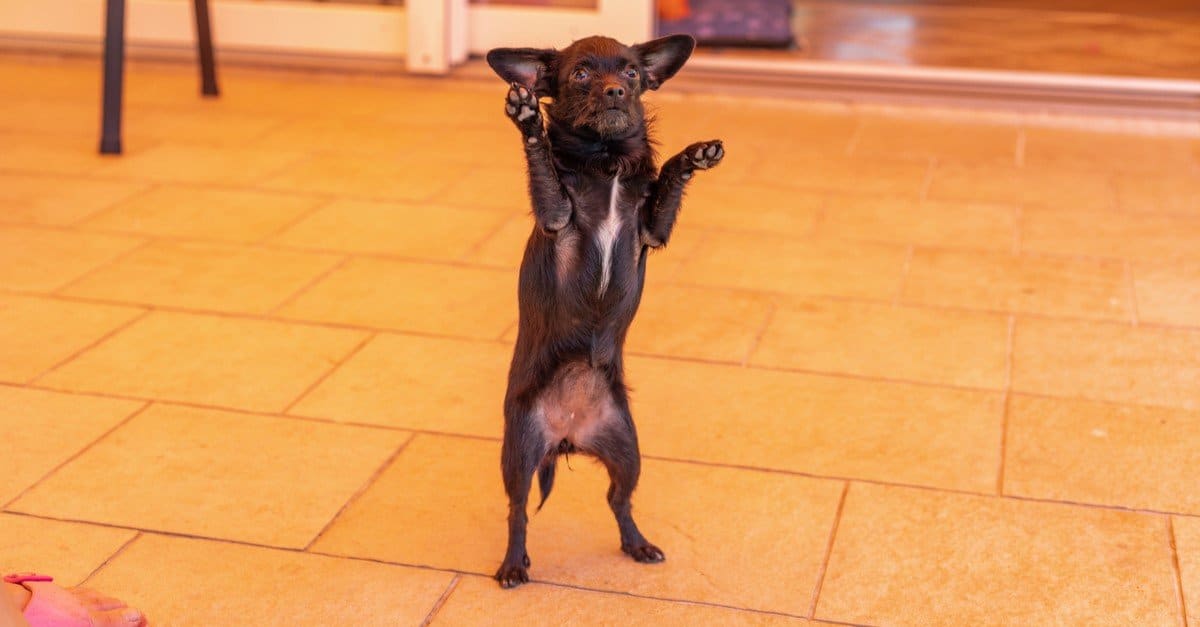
924	348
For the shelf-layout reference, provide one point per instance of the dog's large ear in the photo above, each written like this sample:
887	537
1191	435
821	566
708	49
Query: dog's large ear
662	57
531	67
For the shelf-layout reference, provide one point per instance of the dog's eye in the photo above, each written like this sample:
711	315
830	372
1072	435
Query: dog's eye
631	72
580	74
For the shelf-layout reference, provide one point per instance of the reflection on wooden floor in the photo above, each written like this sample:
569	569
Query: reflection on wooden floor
1156	38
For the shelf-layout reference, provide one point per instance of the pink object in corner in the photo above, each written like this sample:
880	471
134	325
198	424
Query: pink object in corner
49	605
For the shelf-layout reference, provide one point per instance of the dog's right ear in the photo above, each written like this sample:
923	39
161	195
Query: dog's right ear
531	67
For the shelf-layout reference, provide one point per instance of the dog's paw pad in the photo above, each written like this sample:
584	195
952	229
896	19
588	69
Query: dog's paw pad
705	155
646	553
521	105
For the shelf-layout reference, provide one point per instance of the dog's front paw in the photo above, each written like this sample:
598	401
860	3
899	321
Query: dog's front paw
644	552
523	109
704	155
513	574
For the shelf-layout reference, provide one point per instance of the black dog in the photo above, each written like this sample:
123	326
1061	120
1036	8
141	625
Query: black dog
600	205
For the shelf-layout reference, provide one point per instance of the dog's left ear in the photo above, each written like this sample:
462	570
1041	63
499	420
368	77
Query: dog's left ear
531	67
662	57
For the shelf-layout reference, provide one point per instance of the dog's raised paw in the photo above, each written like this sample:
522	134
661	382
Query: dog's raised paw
646	553
704	155
521	105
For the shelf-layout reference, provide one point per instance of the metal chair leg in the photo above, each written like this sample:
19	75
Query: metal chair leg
114	77
208	69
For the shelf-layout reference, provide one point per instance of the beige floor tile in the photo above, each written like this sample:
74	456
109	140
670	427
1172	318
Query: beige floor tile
478	600
840	427
505	247
1086	288
902	178
804	266
1117	151
504	189
67	551
419	297
952	141
197	212
206	122
702	517
976	560
928	345
1146	193
275	481
1082	190
196	163
57	200
1167	292
44	429
210	277
186	582
432	384
1110	362
756	126
406	178
1082	451
53	154
38	333
776	210
906	221
421	231
1187	540
247	364
698	323
44	260
1111	234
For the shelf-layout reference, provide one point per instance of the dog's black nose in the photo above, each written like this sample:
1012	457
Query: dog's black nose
614	91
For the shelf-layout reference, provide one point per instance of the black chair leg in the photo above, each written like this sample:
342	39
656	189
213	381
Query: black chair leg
208	69
114	77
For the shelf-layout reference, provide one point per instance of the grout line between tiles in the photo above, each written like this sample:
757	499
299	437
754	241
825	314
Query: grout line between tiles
147	188
123	255
121	423
318	278
758	335
329	373
837	519
1179	595
110	558
362	489
509	327
318	205
437	606
478	244
927	182
90	345
855	138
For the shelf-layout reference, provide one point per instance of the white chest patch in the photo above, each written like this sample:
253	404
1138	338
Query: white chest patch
606	235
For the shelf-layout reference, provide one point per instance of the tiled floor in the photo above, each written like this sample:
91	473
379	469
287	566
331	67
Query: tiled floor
900	366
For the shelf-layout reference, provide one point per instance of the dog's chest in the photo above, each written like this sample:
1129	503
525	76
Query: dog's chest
606	235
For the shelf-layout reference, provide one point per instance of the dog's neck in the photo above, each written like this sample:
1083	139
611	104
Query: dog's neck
584	151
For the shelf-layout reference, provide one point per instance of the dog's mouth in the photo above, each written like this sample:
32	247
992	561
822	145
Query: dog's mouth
612	121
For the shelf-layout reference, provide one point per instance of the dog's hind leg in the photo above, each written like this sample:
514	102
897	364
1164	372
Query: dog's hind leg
617	449
520	456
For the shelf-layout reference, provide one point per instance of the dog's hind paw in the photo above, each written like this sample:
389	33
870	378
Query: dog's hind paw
522	108
646	553
704	155
513	575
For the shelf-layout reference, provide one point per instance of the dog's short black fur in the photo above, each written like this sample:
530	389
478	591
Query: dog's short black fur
600	205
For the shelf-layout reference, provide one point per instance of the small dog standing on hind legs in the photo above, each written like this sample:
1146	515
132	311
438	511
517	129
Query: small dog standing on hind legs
600	205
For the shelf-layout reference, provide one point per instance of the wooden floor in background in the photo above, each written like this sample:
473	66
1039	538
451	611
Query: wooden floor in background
1158	39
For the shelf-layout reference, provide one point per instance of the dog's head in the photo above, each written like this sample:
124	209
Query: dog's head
595	83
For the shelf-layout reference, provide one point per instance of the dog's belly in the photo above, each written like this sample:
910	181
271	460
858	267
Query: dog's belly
577	406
